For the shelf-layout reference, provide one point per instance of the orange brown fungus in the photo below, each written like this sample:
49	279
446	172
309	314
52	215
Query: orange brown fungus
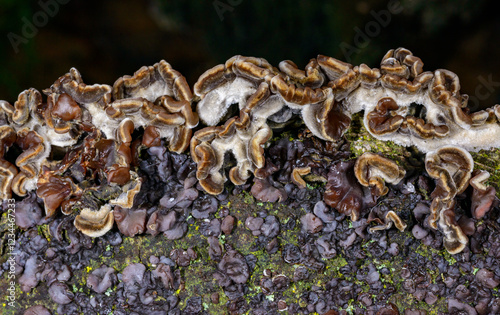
53	190
66	108
101	128
373	170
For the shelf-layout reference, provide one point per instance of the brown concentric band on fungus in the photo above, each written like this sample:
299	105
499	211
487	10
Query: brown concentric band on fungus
401	102
451	167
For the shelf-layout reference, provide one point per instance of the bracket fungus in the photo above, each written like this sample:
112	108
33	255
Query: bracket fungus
95	223
91	127
373	170
77	146
388	219
451	167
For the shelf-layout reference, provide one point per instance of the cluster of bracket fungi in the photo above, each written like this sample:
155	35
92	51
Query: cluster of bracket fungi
82	139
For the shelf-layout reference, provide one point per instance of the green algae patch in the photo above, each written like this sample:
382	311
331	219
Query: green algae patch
43	230
428	252
362	141
489	160
24	299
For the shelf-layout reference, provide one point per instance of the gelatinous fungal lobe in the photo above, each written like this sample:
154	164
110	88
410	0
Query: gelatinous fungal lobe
41	126
234	82
408	106
319	106
113	160
54	190
152	83
343	77
23	127
243	136
95	165
61	113
451	168
383	119
483	195
160	121
444	90
344	193
22	112
311	76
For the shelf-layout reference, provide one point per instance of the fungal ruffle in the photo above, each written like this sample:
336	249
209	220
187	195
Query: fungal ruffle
77	145
78	142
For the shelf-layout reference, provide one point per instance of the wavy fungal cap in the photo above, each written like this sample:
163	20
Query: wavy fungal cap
100	129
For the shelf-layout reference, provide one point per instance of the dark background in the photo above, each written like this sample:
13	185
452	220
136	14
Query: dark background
107	39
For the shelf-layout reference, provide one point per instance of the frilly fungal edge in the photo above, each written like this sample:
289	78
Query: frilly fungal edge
78	140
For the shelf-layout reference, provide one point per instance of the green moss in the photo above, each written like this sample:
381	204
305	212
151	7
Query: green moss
44	231
489	160
428	252
247	198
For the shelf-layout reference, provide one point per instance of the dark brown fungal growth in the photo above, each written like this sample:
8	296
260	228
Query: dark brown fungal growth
311	223
264	190
8	171
152	83
37	310
101	279
311	76
326	120
72	84
344	78
403	71
234	266
383	119
28	212
483	196
227	225
130	222
53	190
224	85
29	162
445	90
85	156
344	193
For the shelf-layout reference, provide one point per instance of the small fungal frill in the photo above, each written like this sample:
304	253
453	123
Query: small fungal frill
72	131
